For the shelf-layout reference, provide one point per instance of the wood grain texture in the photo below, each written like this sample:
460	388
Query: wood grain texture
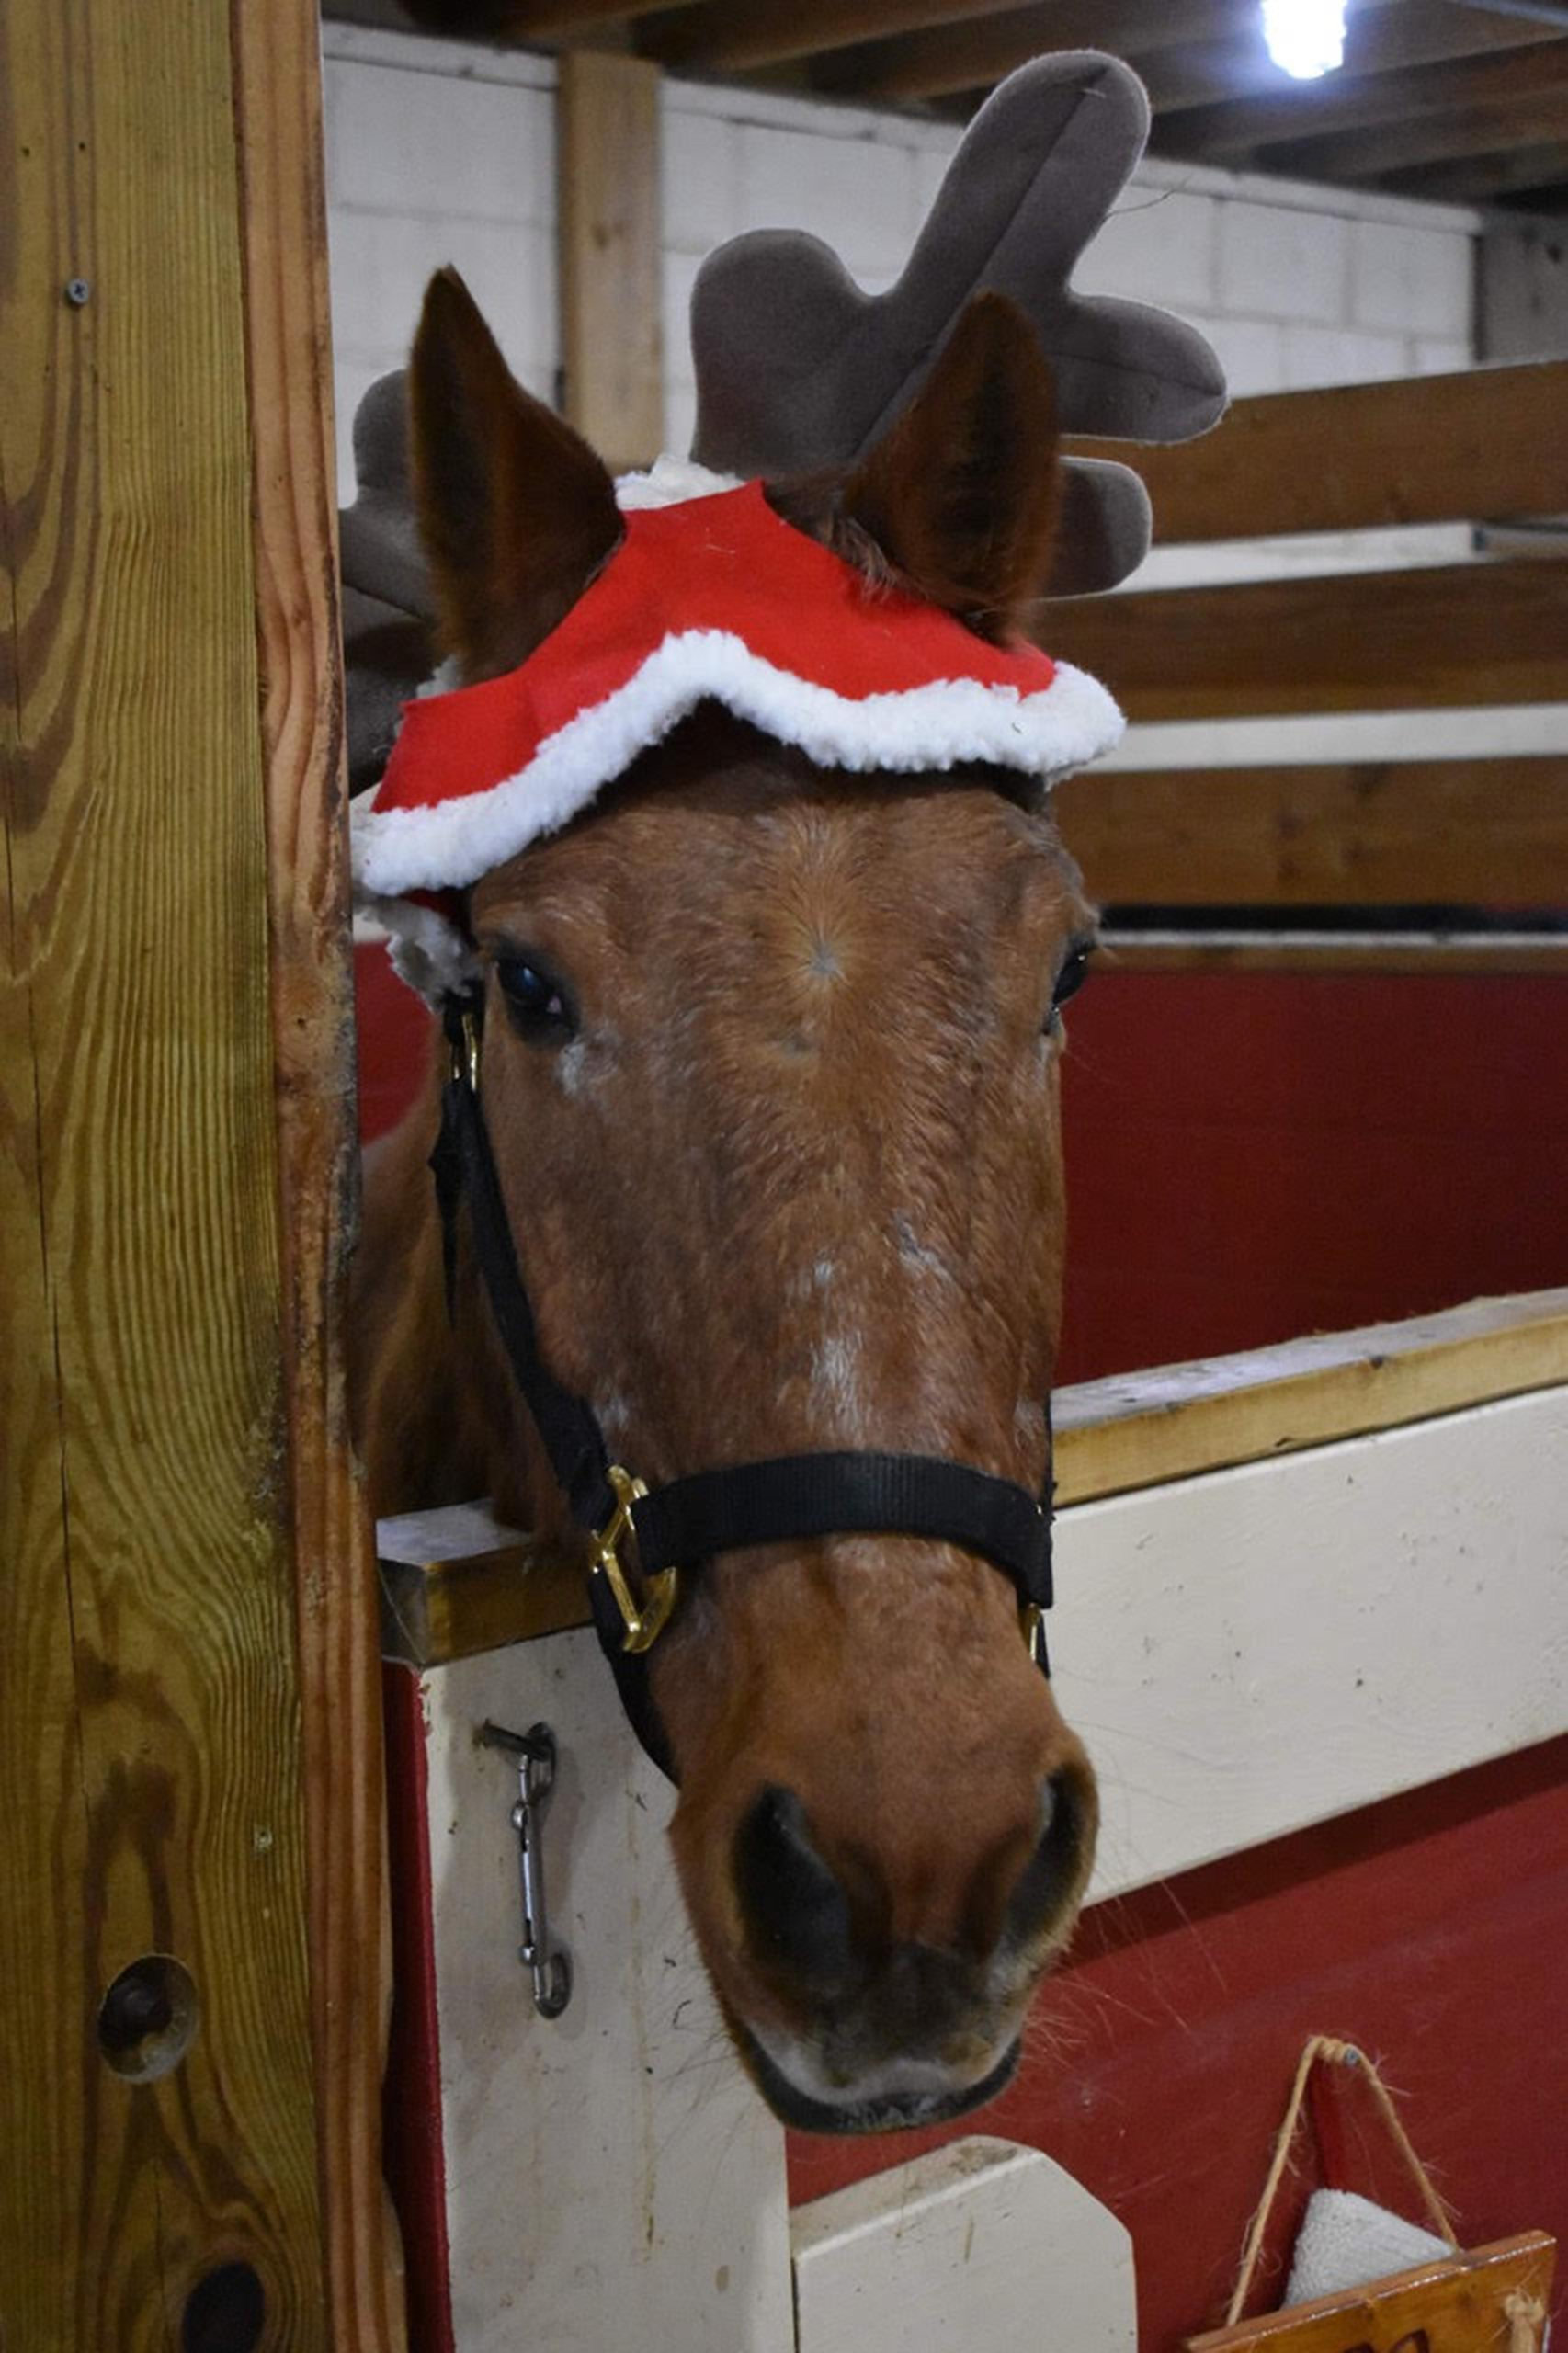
611	277
1424	638
1440	833
714	35
148	1703
1300	112
456	1582
1139	1429
1377	42
941	58
1477	179
1488	953
1535	114
1470	447
288	361
1463	2307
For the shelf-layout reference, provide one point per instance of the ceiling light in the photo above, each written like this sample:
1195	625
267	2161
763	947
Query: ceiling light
1305	38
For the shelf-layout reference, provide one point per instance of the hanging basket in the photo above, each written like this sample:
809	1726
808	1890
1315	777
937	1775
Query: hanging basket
1489	2299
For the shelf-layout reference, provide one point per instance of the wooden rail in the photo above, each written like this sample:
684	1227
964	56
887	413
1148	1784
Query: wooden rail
1482	446
1365	834
1431	636
1471	447
455	1583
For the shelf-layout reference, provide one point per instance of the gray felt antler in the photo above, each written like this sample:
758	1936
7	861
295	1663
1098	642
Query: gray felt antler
798	369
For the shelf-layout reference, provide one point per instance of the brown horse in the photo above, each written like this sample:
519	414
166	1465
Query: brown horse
771	1061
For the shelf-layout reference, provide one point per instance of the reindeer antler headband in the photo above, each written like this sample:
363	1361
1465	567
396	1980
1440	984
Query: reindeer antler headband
797	369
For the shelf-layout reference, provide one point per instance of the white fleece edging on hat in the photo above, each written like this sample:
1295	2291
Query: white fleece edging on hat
451	843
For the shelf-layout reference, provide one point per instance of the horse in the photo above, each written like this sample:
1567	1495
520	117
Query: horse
771	1057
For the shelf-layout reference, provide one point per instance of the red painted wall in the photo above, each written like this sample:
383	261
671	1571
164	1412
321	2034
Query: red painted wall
1251	1155
1432	1930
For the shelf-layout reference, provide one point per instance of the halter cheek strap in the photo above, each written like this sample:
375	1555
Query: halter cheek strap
671	1530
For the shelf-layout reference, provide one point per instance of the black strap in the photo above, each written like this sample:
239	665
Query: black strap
803	1495
687	1522
464	1169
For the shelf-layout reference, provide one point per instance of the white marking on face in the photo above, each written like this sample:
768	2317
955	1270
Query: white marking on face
614	1412
835	1373
571	1067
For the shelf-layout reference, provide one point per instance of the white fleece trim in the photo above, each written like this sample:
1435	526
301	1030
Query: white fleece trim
669	481
426	951
451	844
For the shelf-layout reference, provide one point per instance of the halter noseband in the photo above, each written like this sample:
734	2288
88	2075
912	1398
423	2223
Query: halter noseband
674	1528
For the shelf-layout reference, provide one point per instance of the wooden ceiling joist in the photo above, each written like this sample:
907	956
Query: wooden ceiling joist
1483	180
1311	110
971	56
1540	116
1217	75
716	36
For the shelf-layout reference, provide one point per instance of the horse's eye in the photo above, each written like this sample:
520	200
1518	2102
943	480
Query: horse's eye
1069	979
535	1000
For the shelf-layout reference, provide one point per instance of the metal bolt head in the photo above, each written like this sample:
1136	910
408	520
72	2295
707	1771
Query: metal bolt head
77	291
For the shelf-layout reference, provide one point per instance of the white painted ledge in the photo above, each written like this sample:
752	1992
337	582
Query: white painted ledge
981	2244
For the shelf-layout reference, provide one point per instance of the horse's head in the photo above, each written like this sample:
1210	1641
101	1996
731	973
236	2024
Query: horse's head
771	1069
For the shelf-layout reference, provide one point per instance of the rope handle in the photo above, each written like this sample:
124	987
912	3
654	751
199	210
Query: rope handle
1327	2048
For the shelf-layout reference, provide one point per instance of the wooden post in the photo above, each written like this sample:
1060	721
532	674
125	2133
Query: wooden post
190	1943
611	309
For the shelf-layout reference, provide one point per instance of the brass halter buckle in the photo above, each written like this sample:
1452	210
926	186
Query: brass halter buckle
645	1625
1031	1625
465	1050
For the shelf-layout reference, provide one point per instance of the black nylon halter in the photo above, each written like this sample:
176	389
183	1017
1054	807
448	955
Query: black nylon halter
679	1525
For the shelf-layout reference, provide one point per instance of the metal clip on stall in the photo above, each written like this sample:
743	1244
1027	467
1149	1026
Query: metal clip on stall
534	1753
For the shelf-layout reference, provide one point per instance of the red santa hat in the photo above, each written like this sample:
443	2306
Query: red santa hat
714	597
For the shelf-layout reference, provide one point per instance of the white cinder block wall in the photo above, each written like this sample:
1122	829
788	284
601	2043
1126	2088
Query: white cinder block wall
438	153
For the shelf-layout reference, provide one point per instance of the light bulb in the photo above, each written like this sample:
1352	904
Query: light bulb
1305	38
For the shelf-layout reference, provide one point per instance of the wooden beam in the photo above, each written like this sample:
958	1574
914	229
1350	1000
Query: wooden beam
1449	634
1132	1430
1544	955
161	2177
1481	179
611	278
1139	1429
1539	115
1311	110
947	58
294	503
1383	42
1489	834
1473	446
716	37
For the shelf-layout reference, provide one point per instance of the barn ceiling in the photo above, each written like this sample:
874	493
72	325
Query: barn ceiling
1463	101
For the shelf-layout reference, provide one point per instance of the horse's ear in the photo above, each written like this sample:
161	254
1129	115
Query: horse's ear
961	496
516	511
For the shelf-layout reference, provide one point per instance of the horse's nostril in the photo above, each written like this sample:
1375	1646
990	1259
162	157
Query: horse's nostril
797	1915
1051	1872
